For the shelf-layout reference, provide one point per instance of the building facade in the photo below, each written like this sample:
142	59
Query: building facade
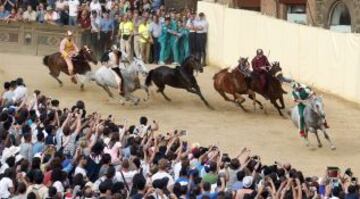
337	15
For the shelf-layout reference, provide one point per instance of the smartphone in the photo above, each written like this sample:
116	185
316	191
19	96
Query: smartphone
333	172
184	146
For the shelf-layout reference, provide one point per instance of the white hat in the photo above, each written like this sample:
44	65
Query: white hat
69	33
18	158
247	181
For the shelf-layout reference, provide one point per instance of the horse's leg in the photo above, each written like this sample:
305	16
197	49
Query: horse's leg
56	76
318	139
198	92
239	100
252	96
277	108
161	89
107	90
327	137
146	89
282	102
82	80
222	93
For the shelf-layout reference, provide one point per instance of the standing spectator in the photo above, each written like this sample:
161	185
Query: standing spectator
106	32
7	188
8	94
136	21
61	8
174	38
51	16
73	11
192	33
164	41
95	6
4	14
85	25
156	4
29	15
201	27
9	4
155	30
95	32
19	14
145	39
12	16
126	30
40	17
183	43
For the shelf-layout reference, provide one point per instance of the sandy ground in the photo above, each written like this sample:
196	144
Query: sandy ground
270	136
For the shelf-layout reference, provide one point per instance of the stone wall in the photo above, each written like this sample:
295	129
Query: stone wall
34	39
324	8
180	4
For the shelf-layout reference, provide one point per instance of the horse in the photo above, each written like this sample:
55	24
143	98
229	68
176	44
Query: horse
314	116
105	78
56	64
242	81
181	77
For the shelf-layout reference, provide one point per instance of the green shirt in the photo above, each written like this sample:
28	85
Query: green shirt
210	178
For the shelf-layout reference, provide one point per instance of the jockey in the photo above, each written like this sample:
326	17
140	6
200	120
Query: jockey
260	64
114	63
68	50
301	93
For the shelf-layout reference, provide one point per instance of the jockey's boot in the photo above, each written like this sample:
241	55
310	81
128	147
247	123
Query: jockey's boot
302	133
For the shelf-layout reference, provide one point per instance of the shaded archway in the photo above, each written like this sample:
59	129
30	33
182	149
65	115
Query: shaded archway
339	17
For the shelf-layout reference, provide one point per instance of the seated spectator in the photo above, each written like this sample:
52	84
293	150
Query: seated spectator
51	16
4	14
29	15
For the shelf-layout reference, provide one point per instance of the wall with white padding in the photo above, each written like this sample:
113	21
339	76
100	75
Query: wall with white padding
327	60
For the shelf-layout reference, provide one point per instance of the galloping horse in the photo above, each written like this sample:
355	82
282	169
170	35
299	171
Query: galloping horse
180	77
314	115
105	78
56	64
241	81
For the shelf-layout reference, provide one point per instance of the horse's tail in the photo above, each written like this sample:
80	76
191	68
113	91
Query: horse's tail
46	60
149	78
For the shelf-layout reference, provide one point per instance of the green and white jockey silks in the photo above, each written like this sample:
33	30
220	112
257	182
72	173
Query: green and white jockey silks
301	93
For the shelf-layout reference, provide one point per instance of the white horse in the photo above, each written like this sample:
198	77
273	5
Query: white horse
314	117
105	77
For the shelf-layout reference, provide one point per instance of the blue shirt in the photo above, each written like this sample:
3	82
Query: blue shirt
106	25
212	195
4	14
38	147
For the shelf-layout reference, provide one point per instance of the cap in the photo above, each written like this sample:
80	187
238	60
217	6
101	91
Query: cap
69	33
247	181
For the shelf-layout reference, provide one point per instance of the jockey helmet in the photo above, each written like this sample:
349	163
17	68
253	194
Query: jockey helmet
259	52
69	33
295	85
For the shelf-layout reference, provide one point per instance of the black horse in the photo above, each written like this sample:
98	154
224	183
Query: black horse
180	77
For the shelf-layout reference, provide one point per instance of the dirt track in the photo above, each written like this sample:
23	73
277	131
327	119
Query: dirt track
270	136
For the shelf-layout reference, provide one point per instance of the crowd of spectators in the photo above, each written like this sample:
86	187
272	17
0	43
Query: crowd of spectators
142	28
52	152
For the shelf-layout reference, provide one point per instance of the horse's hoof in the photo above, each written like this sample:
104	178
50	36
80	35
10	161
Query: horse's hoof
333	147
320	145
82	87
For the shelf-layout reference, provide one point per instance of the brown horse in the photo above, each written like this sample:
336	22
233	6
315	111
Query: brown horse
241	81
56	64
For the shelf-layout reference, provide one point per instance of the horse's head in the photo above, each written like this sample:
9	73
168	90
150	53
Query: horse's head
87	54
275	70
140	66
244	63
193	63
317	106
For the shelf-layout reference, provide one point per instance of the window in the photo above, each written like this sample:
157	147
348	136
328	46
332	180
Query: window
296	13
340	19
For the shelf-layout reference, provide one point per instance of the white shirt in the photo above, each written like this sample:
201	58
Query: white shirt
95	24
155	29
177	169
20	93
203	24
5	184
95	6
80	170
8	95
61	5
59	187
160	175
128	175
73	8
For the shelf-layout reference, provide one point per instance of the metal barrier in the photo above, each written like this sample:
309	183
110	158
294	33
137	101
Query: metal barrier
34	38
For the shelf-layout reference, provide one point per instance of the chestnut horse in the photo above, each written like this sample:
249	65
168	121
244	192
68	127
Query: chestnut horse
241	81
56	64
